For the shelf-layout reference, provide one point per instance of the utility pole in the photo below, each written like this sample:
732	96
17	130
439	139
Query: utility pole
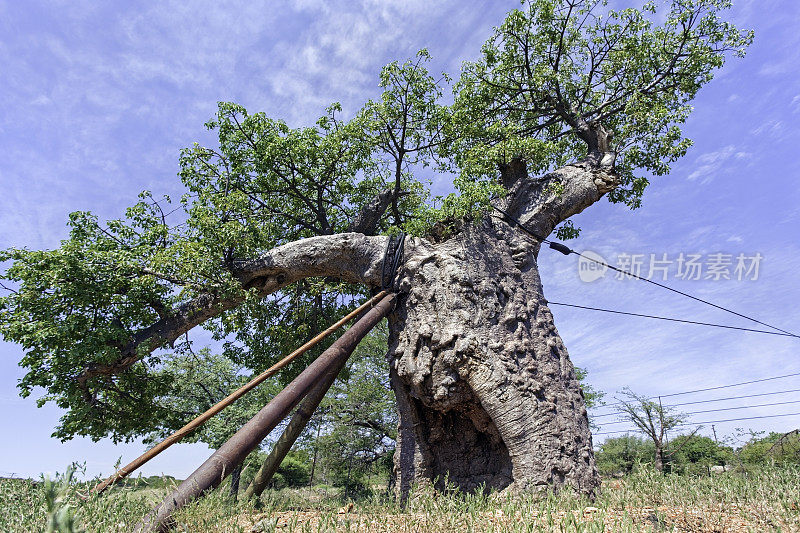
714	430
664	437
661	417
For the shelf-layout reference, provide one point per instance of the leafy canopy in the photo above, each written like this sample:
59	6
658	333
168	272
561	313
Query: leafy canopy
558	80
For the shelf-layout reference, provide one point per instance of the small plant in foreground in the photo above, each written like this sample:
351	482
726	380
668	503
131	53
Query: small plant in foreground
60	513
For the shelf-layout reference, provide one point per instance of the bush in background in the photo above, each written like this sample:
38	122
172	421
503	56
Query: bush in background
619	456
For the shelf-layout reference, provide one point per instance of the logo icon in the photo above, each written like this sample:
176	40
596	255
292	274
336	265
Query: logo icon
589	270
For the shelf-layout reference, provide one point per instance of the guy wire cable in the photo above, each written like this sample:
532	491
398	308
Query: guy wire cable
566	250
637	430
718	387
709	401
672	319
704	411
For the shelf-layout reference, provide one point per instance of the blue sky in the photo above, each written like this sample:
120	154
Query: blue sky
97	99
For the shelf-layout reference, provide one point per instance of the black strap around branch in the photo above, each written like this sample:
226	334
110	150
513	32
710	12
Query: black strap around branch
392	258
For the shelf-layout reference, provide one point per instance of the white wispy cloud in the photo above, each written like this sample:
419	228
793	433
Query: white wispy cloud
776	129
795	105
710	164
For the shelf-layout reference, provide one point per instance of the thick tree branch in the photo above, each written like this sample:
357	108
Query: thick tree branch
541	203
350	257
366	221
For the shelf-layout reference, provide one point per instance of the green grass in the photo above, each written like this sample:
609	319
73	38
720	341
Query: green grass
766	499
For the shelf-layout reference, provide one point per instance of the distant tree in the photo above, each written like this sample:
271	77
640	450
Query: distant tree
782	448
653	419
592	396
359	416
294	470
620	455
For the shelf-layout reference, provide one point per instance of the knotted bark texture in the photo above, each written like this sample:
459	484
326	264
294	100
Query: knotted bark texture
486	391
485	388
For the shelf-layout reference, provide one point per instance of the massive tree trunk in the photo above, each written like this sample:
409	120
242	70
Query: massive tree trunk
485	388
486	392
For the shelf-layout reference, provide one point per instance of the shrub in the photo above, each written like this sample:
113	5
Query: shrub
294	470
695	454
620	455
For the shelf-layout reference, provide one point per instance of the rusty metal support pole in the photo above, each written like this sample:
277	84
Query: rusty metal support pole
236	449
232	397
284	443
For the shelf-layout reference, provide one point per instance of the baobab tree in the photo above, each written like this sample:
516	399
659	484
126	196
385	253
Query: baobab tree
567	103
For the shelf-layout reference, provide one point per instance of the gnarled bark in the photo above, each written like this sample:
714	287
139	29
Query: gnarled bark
486	392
